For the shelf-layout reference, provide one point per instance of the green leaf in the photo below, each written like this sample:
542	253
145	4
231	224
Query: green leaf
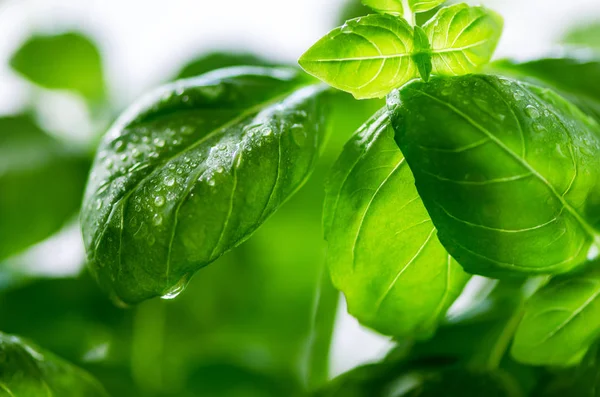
587	35
367	57
192	170
68	61
462	38
218	60
575	76
27	371
382	262
418	6
41	184
561	320
507	171
422	53
392	7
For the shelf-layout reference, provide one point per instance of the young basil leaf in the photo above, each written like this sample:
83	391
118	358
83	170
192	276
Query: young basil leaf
392	7
367	56
192	170
561	320
382	245
422	53
586	35
27	371
507	171
68	61
41	184
462	38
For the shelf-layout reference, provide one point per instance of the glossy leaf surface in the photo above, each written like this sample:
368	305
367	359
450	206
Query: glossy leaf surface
367	56
508	172
382	246
575	76
41	184
561	320
192	170
27	371
462	38
68	61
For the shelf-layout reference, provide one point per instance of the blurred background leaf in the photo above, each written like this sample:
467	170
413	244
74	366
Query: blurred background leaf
584	35
41	184
220	59
68	61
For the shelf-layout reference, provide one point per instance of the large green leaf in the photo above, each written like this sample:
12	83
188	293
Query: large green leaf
382	246
508	172
561	320
367	56
462	38
575	76
41	184
27	371
68	61
192	171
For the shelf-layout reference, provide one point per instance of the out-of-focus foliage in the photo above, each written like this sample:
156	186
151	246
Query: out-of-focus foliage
68	61
27	371
584	35
41	184
217	60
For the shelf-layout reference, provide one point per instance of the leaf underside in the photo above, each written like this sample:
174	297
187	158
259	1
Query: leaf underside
508	172
192	171
382	246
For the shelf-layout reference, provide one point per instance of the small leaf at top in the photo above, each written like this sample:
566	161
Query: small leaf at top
28	371
392	7
68	61
561	320
508	172
382	246
463	38
192	171
367	57
418	6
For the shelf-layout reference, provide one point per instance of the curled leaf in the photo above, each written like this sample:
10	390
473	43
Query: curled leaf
192	170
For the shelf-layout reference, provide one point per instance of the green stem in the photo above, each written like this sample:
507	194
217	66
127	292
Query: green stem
147	346
319	343
409	15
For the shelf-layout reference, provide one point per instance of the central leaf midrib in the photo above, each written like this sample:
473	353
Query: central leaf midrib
586	226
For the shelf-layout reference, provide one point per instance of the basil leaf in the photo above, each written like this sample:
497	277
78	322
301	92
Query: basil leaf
392	7
27	371
462	38
422	54
379	261
561	320
41	184
418	6
367	56
586	35
577	77
192	170
507	171
68	61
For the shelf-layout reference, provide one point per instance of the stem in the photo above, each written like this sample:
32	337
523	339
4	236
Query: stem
409	15
319	342
148	345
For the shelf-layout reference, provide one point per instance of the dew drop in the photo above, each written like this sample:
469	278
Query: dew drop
176	142
157	219
159	142
171	166
446	91
98	204
538	127
175	290
145	139
266	131
123	157
151	240
187	130
518	95
171	196
159	201
119	146
219	170
298	134
169	180
211	182
532	112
